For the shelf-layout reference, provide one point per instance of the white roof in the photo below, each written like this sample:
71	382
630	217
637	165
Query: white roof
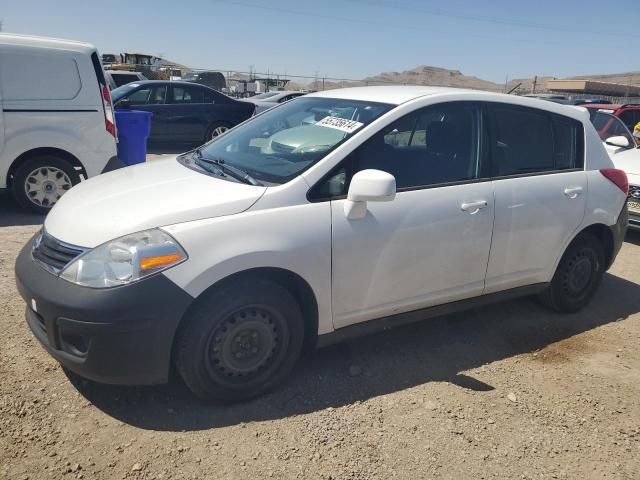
44	42
398	94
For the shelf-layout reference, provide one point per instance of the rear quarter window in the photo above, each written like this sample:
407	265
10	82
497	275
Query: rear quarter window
32	75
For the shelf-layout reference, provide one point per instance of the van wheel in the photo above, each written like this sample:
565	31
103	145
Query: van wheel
215	130
240	341
577	277
39	182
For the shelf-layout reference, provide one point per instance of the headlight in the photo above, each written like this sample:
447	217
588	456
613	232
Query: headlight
124	260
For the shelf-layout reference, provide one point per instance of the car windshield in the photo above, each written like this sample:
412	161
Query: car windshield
190	76
118	93
278	145
262	96
608	126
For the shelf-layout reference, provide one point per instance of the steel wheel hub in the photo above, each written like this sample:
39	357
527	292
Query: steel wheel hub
45	185
244	343
579	274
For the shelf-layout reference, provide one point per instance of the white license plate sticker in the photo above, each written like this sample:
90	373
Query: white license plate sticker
633	206
342	124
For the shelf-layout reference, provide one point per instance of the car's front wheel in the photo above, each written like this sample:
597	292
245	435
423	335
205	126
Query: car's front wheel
39	182
578	275
240	341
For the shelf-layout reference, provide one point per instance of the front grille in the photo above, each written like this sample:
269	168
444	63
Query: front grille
634	193
53	254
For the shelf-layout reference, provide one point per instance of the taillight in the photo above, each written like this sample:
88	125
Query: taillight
109	119
618	177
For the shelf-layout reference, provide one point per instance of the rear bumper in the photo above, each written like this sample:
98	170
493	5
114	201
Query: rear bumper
114	163
121	335
619	230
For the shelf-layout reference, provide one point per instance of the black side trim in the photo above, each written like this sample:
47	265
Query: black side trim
48	110
387	323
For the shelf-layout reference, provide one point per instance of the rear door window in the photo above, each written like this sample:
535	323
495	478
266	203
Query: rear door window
528	141
522	141
183	94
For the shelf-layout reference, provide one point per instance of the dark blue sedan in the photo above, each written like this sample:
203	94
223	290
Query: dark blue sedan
182	111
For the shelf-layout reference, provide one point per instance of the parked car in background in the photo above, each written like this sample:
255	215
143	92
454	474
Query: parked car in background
395	204
588	101
182	111
628	113
625	154
213	80
56	118
267	100
117	78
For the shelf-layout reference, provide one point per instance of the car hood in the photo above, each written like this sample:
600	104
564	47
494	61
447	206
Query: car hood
627	160
139	197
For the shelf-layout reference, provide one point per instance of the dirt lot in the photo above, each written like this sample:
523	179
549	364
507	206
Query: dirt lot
508	391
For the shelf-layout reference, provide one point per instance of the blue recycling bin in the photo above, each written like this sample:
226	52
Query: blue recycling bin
134	127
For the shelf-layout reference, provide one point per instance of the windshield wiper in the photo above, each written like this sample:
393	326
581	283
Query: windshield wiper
231	170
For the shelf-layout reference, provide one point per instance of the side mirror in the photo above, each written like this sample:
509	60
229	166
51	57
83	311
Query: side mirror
125	103
368	186
618	141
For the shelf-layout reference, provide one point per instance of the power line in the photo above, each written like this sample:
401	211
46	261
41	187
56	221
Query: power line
495	20
395	26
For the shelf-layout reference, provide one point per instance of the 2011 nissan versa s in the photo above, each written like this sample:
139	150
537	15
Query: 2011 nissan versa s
334	214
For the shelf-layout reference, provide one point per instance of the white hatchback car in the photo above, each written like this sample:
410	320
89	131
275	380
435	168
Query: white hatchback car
335	214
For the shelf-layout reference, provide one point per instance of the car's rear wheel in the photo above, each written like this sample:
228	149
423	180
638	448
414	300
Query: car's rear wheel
240	341
215	130
39	182
578	275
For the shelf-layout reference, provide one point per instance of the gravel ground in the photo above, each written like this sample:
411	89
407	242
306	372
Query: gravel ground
508	391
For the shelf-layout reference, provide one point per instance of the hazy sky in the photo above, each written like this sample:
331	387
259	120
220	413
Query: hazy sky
352	38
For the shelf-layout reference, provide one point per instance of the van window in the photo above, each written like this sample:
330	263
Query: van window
30	75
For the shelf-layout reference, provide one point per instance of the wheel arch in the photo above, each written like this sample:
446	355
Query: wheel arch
53	151
294	283
603	233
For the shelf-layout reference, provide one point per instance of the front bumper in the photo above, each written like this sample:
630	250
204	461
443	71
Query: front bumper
121	335
114	163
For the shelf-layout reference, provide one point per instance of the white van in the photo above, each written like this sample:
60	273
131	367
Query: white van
56	120
334	214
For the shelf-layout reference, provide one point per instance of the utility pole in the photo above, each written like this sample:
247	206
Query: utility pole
533	87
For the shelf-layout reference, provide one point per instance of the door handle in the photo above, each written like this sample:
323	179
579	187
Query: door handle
473	207
572	192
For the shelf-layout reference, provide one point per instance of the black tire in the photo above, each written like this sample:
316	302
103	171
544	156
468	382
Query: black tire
55	167
239	341
209	135
577	277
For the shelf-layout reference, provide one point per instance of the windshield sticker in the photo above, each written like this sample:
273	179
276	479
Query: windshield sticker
348	126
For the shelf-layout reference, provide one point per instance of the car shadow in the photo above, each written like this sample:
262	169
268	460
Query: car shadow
12	215
438	350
